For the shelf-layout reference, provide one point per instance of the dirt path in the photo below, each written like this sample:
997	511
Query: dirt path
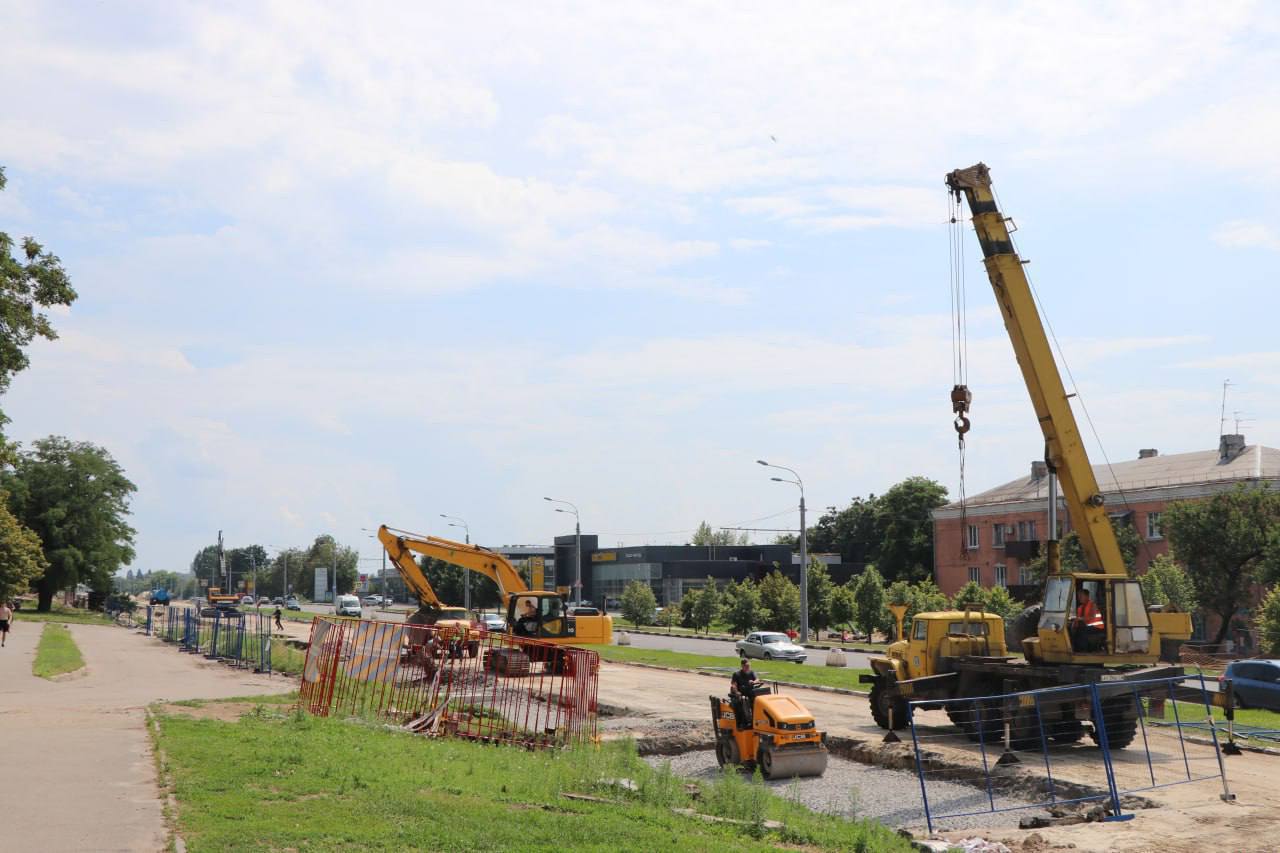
78	772
1191	818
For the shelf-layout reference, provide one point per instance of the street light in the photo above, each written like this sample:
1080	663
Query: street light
577	544
373	534
804	548
466	576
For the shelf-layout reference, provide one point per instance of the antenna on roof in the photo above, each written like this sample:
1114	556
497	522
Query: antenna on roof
1222	413
1240	418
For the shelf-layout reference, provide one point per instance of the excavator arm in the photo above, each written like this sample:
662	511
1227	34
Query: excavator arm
401	547
1064	449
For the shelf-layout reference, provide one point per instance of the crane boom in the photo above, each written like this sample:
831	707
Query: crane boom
1064	450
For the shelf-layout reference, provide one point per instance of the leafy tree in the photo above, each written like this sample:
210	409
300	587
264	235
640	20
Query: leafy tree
779	601
323	553
1071	555
1269	623
205	566
705	535
245	562
75	497
971	595
687	604
904	520
850	532
707	607
786	539
1167	583
843	606
998	600
744	612
1226	543
820	591
920	597
21	558
870	613
33	280
638	603
669	618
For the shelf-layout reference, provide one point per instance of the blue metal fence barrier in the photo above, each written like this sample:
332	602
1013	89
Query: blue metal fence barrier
1044	728
241	639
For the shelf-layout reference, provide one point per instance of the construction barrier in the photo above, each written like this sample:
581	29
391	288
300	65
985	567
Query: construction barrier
240	639
1044	729
472	684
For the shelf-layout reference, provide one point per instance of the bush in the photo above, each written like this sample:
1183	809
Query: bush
638	603
1269	622
1167	583
780	602
870	612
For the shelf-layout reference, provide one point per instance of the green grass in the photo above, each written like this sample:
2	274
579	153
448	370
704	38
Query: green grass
65	614
722	629
1189	712
827	676
57	653
274	781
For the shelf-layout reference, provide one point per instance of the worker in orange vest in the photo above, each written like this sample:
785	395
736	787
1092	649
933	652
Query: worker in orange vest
1088	632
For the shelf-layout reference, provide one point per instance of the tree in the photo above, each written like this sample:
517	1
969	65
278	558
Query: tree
75	497
1167	583
669	618
998	600
707	607
1269	623
851	532
843	606
1225	541
705	535
638	603
870	613
21	558
687	603
323	553
246	562
971	596
904	520
744	613
205	566
918	597
28	283
780	602
1071	555
820	591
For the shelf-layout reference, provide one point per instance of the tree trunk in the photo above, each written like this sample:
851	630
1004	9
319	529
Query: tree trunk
45	593
1225	627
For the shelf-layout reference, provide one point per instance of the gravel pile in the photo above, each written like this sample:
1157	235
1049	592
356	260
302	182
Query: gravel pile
852	789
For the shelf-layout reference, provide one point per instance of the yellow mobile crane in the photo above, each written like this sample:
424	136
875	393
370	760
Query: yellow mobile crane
960	654
534	613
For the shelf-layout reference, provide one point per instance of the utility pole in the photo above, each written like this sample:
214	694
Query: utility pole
333	559
455	521
577	547
804	548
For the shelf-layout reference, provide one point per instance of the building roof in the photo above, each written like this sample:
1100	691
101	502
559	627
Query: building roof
1177	475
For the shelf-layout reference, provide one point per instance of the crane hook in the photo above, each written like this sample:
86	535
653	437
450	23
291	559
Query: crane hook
961	398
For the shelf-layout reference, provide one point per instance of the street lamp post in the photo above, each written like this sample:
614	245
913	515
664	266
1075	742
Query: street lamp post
577	546
466	575
804	548
386	600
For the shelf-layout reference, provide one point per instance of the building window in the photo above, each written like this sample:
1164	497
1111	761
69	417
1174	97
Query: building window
975	574
1153	526
1022	531
1024	577
971	536
1031	530
997	536
1002	576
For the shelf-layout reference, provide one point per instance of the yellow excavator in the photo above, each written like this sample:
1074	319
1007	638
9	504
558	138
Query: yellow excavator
1111	636
532	613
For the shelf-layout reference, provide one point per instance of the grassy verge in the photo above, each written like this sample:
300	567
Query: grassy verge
65	614
57	653
276	781
827	676
1192	713
721	630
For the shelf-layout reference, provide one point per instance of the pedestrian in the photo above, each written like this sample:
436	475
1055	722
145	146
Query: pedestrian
6	616
279	624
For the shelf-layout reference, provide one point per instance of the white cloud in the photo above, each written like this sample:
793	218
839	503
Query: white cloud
1246	234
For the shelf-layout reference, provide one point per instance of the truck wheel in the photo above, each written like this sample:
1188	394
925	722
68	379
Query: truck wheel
765	757
1121	720
882	699
721	758
1065	731
986	725
958	714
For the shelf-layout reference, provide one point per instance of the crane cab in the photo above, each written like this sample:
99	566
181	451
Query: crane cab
543	615
1129	634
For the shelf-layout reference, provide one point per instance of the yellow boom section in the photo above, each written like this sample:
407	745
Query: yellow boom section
1064	449
401	546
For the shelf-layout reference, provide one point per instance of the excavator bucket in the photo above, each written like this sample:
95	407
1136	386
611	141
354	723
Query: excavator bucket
794	761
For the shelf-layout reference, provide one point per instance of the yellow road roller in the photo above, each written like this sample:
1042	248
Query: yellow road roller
771	731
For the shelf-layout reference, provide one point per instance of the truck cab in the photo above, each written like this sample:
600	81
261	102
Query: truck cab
936	636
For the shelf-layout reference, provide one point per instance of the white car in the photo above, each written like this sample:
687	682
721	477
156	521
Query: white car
373	600
770	645
347	605
247	601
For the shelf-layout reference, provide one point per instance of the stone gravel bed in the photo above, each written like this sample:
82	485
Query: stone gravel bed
892	797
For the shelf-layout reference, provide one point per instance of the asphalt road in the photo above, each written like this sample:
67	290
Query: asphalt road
723	648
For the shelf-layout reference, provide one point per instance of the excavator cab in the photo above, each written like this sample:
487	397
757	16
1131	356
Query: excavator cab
540	615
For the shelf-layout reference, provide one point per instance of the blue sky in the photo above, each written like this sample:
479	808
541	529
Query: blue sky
339	269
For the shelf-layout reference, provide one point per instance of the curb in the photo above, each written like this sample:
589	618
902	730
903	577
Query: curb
723	639
822	688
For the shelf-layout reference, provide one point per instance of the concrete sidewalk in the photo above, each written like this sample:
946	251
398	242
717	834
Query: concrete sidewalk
77	766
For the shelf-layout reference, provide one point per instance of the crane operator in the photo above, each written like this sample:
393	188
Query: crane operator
742	690
1088	631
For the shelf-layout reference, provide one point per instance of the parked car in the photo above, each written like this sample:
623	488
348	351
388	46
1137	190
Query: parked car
347	605
1256	683
373	600
492	622
291	604
584	610
613	604
277	600
247	600
769	645
263	600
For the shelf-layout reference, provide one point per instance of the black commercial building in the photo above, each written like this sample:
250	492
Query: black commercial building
668	569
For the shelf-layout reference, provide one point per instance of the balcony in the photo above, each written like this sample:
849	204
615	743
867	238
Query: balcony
1022	549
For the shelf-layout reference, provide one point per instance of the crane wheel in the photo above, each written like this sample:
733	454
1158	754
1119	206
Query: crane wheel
1121	721
882	699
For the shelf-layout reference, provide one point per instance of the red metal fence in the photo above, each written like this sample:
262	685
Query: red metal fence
479	685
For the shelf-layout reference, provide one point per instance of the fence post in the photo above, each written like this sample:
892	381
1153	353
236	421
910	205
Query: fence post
915	742
1100	723
1226	794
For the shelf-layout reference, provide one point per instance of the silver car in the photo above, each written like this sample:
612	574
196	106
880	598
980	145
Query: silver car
769	645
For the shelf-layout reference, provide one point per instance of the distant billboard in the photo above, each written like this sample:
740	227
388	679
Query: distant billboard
321	592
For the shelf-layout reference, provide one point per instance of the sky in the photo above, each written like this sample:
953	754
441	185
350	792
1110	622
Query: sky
341	267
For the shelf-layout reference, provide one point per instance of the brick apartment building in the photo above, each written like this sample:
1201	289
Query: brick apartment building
1005	528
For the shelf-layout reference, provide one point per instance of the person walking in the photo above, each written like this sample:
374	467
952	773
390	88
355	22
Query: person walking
279	624
6	616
